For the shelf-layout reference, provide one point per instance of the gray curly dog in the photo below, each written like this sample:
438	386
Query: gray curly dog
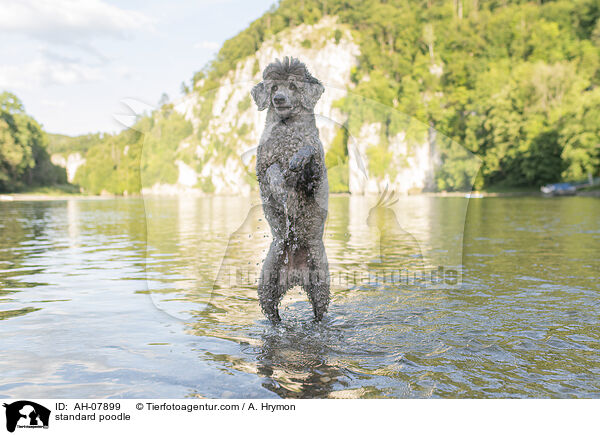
292	177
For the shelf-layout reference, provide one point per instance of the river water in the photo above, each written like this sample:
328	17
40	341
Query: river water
431	297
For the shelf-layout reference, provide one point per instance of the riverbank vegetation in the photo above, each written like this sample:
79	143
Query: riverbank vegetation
24	158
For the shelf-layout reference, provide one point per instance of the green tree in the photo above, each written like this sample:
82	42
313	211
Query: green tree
24	160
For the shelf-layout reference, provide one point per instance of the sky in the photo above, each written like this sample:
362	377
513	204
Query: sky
71	62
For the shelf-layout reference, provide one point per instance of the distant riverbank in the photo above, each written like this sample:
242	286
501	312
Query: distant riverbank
61	193
52	193
42	197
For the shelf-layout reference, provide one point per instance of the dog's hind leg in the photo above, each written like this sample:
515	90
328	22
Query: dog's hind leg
317	286
270	287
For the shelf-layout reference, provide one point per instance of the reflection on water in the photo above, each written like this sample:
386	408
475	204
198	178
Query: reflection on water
157	298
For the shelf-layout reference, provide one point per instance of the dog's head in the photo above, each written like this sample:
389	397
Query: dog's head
287	88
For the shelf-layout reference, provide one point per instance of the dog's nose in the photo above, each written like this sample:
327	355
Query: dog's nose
279	99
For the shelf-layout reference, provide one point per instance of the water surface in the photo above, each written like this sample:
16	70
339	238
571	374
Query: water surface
132	298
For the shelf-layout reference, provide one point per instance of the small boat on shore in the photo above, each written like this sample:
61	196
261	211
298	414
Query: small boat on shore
559	189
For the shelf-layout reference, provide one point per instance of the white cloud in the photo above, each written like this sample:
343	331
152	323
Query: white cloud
67	29
44	71
69	21
60	104
209	45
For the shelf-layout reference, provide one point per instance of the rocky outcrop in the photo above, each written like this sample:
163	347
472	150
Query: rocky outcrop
412	164
71	163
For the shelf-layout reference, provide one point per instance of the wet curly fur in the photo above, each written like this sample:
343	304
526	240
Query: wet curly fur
293	187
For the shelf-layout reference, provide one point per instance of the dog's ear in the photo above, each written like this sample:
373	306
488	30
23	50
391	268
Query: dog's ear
311	93
260	95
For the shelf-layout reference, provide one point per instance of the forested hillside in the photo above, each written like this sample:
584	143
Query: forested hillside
24	159
62	144
515	82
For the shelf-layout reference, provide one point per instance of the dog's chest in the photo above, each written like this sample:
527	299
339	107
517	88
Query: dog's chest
283	142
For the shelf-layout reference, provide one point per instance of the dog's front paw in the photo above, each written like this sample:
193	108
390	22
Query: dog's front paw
301	158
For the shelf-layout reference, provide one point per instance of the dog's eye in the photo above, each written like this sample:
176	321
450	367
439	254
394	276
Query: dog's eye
293	87
274	88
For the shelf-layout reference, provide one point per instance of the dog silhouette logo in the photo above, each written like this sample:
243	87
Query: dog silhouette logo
26	414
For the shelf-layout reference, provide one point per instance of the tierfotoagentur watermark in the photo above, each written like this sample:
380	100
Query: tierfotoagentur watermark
433	277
